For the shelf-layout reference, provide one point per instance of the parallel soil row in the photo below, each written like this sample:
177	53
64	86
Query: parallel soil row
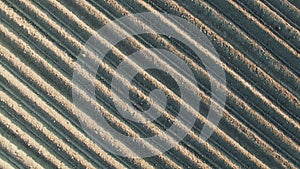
40	43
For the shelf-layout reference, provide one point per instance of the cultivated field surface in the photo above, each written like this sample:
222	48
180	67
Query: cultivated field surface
258	43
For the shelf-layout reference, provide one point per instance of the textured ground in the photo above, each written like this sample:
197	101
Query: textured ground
259	46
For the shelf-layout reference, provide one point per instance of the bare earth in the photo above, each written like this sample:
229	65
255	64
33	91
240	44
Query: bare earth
259	47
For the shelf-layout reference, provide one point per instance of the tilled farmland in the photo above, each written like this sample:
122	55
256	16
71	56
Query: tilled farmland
258	45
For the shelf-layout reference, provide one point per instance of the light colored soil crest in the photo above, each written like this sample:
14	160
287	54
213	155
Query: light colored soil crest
31	54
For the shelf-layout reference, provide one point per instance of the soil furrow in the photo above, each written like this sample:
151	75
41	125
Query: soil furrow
286	10
40	42
18	153
273	23
31	141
